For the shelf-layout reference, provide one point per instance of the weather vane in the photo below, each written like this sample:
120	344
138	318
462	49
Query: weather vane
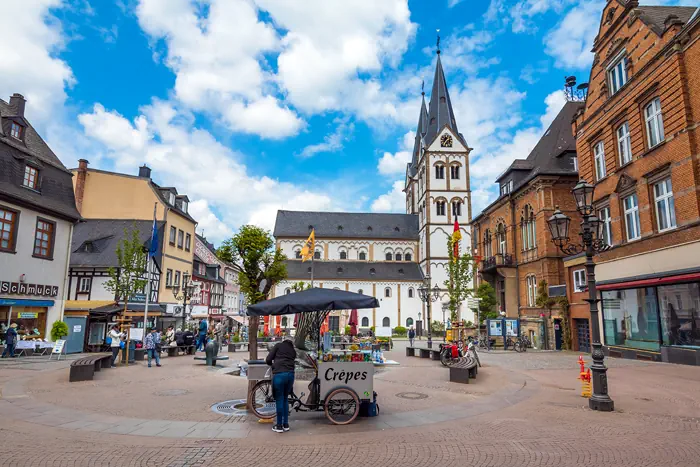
438	41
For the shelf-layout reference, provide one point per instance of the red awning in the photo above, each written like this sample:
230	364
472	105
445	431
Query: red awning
652	282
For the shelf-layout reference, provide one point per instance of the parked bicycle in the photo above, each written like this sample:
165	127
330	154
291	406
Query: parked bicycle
451	352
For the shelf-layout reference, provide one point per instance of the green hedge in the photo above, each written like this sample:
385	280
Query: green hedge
400	331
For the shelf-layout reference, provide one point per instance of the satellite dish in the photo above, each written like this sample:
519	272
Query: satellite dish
571	81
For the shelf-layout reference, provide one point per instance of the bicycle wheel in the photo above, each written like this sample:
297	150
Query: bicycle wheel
342	406
444	359
263	403
517	346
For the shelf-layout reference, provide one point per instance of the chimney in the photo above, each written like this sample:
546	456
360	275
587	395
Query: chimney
17	102
80	184
144	171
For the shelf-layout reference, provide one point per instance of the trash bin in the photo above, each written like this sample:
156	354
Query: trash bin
258	369
132	351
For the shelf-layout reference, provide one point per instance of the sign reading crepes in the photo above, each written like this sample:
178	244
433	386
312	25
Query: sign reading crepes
358	376
20	288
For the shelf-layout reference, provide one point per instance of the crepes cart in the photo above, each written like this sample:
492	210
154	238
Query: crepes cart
339	387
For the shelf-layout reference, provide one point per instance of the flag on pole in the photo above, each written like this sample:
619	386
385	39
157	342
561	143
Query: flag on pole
456	237
307	252
153	247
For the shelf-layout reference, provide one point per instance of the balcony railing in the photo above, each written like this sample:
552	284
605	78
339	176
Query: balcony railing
498	260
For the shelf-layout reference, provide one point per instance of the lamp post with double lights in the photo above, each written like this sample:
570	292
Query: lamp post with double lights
591	243
184	295
428	296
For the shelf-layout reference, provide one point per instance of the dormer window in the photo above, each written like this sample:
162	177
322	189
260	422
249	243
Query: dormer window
31	177
507	187
184	206
16	131
171	198
617	73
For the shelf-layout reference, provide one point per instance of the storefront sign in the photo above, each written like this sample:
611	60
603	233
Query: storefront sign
58	346
357	376
77	328
20	288
28	315
138	298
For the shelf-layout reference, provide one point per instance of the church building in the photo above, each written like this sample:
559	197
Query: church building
389	255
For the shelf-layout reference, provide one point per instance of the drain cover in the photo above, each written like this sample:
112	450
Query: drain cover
234	407
173	392
412	395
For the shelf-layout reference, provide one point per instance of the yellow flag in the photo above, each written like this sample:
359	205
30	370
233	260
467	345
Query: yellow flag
307	252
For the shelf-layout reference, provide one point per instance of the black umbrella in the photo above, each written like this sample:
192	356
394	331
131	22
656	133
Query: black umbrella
312	300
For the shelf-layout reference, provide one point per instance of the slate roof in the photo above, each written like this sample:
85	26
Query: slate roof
440	113
55	191
358	270
421	130
655	16
346	225
104	235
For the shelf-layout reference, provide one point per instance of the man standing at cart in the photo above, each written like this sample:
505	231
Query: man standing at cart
281	358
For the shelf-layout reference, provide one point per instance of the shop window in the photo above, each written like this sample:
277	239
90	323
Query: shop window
624	143
386	322
365	322
31	321
44	238
680	314
630	318
654	122
8	228
84	285
409	322
665	210
173	234
631	207
580	280
31	177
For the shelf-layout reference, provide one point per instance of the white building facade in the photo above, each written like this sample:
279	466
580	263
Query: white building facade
389	255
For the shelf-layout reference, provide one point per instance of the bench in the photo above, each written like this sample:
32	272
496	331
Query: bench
185	349
465	368
213	362
432	354
83	369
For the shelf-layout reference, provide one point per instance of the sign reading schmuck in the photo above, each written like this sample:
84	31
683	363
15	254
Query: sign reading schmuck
20	288
357	376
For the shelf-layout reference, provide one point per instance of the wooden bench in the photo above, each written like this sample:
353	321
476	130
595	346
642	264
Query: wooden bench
185	349
466	368
83	369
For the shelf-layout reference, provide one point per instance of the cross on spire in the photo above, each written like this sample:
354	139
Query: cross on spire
438	42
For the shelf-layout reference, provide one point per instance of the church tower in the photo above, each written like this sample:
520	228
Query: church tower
437	180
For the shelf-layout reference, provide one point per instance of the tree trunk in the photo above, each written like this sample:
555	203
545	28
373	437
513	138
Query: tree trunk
253	354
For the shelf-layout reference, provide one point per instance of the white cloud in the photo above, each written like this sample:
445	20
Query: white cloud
193	160
332	142
395	164
32	38
520	15
393	201
207	223
530	72
571	40
453	3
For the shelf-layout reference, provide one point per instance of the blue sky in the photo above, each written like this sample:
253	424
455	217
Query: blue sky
249	106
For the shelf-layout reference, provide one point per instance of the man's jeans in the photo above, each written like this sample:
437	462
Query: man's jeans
153	353
410	340
202	343
282	385
9	348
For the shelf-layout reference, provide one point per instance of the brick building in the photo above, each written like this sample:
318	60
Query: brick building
511	236
637	142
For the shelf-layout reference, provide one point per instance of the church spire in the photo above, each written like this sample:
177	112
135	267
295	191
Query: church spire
440	112
421	129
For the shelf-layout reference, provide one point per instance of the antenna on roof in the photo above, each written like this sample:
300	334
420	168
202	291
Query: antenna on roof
438	41
575	93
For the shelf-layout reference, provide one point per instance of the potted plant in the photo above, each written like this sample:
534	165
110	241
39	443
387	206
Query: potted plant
59	330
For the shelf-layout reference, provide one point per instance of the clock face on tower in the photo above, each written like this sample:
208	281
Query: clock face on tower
446	141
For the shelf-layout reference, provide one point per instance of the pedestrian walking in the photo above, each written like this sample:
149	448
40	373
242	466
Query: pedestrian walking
202	342
281	358
411	335
152	343
115	343
10	341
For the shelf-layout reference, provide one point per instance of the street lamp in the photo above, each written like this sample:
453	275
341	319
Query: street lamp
428	296
187	292
445	307
591	243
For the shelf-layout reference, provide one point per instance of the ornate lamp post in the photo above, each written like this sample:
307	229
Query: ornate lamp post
591	243
187	292
428	296
445	307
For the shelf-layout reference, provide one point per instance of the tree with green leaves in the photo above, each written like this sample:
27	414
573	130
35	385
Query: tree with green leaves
130	276
543	300
488	302
260	267
306	320
460	273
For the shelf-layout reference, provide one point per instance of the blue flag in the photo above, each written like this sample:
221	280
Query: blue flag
153	249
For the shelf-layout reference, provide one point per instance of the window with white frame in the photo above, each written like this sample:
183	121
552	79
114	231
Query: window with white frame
654	122
501	239
507	187
599	156
574	163
624	143
665	211
84	285
580	280
617	73
531	290
631	208
605	225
